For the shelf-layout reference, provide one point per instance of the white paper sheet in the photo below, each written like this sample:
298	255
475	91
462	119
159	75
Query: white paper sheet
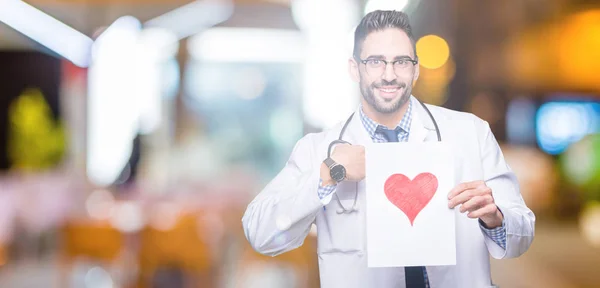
409	181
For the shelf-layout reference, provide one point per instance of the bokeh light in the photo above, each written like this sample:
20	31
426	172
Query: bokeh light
578	53
98	278
581	165
589	223
560	124
127	217
100	204
251	84
432	86
571	64
165	216
536	173
433	51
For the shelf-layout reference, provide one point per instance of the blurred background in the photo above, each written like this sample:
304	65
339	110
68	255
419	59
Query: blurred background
133	133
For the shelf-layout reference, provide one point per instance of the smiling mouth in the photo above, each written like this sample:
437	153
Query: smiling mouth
388	93
389	90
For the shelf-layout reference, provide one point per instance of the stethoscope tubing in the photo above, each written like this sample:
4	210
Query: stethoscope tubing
343	210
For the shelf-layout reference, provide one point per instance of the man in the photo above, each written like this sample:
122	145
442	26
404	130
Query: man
492	218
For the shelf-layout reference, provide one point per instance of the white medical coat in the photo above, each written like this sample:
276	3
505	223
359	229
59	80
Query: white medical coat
280	217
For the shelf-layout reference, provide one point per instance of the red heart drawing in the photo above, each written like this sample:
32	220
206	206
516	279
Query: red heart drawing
411	196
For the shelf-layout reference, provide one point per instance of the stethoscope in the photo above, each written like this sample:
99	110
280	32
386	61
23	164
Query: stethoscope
342	209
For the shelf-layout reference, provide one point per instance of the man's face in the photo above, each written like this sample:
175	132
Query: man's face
386	89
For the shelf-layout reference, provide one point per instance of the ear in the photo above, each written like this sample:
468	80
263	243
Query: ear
353	69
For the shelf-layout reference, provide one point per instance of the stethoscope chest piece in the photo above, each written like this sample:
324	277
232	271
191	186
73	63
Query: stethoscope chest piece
344	211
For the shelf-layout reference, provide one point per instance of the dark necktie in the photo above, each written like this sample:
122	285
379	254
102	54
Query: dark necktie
415	277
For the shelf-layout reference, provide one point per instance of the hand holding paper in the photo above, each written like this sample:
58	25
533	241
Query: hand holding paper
477	199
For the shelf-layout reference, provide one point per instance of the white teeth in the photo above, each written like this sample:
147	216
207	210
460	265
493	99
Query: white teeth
389	90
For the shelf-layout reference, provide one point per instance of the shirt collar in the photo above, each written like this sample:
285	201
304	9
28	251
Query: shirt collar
371	126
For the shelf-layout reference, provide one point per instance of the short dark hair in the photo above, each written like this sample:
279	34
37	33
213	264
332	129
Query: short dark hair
377	21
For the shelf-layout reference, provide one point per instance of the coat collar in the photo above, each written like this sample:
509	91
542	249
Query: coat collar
420	127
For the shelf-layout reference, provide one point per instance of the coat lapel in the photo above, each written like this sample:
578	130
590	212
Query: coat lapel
421	125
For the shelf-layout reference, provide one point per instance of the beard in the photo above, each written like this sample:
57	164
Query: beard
381	105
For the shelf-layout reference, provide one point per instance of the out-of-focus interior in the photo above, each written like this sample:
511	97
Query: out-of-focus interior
134	133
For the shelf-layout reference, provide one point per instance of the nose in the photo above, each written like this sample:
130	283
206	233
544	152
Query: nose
389	73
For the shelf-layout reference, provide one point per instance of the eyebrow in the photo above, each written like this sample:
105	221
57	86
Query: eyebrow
378	57
381	57
402	57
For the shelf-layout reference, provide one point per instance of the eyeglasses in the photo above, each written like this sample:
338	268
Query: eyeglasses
376	67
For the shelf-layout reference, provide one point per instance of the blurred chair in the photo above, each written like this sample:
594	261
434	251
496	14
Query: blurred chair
178	249
96	241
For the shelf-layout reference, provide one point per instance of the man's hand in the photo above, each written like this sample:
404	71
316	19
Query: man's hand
476	198
352	157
